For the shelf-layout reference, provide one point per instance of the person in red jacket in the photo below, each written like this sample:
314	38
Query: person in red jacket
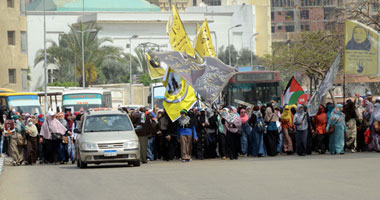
320	121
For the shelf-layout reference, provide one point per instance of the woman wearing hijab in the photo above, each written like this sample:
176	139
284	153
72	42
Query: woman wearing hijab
301	123
375	135
50	126
272	136
185	132
320	122
64	146
246	136
329	108
360	40
351	118
222	132
287	127
212	134
202	144
258	129
32	145
336	141
17	150
71	145
41	141
233	125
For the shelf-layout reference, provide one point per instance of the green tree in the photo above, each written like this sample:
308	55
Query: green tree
223	55
244	58
114	70
145	79
309	52
66	55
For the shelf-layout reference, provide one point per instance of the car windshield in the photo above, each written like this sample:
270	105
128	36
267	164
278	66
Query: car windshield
106	123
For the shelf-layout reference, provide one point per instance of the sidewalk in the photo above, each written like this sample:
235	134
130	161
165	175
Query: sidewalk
2	161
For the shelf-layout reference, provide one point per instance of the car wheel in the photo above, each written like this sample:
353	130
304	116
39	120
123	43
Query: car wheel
81	164
137	163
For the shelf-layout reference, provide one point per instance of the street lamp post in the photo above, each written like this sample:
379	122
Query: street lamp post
130	69
229	47
250	44
83	71
45	65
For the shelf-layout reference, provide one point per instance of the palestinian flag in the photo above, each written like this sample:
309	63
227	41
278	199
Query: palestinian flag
294	93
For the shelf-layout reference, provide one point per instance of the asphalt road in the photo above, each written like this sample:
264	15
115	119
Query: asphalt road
351	176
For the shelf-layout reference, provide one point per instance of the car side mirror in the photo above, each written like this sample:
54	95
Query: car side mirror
138	128
77	131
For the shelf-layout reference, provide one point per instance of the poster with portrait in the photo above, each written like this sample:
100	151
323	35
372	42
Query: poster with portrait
361	49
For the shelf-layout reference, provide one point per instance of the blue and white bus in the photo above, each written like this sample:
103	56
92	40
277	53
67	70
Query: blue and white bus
87	98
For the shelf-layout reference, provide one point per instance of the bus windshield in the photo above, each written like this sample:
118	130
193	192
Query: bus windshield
28	109
252	93
25	103
83	100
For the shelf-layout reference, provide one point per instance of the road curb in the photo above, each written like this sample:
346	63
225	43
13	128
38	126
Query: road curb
2	162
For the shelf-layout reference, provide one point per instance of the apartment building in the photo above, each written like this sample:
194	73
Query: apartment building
13	42
292	16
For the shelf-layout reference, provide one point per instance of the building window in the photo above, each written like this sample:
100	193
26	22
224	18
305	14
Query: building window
328	2
272	15
11	3
11	38
329	13
305	27
272	29
290	15
22	7
279	13
289	28
304	14
23	42
210	2
12	75
279	27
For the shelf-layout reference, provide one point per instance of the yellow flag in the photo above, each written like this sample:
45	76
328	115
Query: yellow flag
203	42
361	49
155	69
179	94
177	34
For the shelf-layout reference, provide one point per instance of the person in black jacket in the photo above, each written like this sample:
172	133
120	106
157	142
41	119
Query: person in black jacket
212	134
202	143
169	136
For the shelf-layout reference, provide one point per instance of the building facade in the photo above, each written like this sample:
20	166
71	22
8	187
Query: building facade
262	42
292	16
13	42
149	26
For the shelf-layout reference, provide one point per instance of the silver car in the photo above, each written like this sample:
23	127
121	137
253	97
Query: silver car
107	136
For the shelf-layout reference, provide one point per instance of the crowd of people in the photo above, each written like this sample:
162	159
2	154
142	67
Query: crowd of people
31	138
226	132
258	131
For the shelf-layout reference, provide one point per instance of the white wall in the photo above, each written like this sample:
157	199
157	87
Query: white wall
55	24
224	17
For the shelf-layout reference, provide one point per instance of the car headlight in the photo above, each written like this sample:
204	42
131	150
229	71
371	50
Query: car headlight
89	146
131	144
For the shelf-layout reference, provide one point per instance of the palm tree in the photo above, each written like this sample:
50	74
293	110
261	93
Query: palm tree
67	54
